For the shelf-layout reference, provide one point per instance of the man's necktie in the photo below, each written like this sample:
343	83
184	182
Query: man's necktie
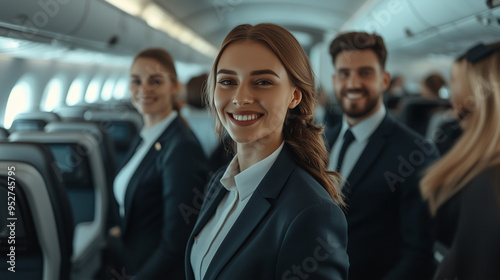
348	138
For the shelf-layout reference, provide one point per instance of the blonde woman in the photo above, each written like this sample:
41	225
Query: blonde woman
463	187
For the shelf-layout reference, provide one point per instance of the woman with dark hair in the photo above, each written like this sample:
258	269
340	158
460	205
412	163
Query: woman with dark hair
274	212
163	170
431	85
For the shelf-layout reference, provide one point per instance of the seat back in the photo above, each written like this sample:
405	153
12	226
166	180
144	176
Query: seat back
444	130
72	113
78	159
100	133
33	121
416	112
40	219
122	127
4	133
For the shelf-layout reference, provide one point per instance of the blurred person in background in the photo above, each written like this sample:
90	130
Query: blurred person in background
463	188
164	169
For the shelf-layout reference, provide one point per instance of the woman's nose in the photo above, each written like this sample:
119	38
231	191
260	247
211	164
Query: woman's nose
242	96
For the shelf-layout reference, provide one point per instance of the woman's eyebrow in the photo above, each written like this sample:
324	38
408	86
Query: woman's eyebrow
264	72
253	73
149	76
226	71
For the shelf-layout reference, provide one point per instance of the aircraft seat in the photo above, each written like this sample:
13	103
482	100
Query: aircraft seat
444	130
33	121
78	158
4	133
122	127
100	133
416	112
72	113
44	224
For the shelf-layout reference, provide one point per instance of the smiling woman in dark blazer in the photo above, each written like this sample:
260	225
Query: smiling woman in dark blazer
273	212
163	170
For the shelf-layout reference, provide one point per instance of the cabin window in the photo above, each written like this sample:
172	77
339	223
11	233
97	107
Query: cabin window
92	94
75	93
121	89
52	95
20	99
444	93
107	90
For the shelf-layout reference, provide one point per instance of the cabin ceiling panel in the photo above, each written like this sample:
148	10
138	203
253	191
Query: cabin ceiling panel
214	19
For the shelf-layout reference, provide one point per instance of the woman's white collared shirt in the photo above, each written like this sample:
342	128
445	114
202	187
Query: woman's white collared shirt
149	137
240	187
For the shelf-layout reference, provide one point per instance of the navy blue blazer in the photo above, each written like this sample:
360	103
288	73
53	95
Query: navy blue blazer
154	229
390	230
475	249
290	229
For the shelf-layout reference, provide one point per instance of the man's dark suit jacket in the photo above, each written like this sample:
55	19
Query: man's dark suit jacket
290	229
154	230
389	226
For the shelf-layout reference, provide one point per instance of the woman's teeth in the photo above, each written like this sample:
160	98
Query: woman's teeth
245	117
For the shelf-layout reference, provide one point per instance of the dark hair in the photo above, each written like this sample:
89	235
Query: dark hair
359	41
299	130
394	79
479	52
194	89
165	59
434	82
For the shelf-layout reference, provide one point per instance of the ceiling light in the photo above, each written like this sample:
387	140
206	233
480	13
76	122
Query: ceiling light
12	44
159	19
131	7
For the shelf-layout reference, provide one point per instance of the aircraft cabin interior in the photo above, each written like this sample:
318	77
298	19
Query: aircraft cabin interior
67	122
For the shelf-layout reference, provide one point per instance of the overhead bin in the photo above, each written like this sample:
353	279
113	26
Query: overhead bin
438	13
451	39
135	33
423	25
397	19
101	24
87	24
112	30
30	17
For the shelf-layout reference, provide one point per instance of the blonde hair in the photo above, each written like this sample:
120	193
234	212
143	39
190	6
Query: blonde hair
479	146
299	130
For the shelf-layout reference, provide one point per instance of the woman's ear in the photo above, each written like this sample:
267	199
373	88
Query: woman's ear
296	98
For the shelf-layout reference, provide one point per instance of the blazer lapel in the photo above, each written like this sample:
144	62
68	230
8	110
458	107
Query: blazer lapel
146	164
131	151
136	180
256	209
371	152
210	209
208	212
